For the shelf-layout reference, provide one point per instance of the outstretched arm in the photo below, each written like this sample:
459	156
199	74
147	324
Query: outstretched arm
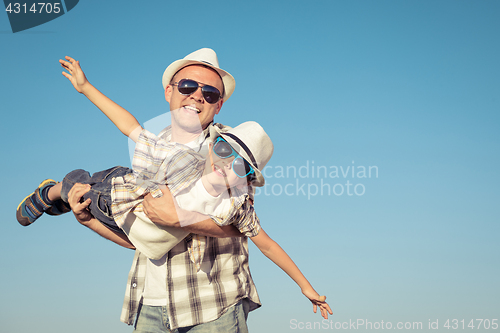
123	119
273	251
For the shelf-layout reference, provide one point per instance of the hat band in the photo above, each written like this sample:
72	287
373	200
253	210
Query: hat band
244	146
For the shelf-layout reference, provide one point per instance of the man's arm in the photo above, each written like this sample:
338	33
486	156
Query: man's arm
123	119
208	227
85	218
163	211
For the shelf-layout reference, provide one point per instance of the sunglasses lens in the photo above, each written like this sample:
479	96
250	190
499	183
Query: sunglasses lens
187	87
241	167
211	94
223	149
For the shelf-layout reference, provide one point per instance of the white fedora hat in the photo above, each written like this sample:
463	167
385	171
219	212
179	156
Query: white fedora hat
206	57
252	143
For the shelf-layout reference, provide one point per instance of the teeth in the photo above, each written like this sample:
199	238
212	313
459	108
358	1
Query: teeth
192	108
218	170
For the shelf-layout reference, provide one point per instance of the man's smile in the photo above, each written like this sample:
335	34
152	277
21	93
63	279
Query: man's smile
192	108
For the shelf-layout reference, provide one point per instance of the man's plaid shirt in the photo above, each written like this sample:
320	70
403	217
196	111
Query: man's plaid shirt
200	294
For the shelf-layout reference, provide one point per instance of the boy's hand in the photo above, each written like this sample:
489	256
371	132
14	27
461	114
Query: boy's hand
318	300
76	75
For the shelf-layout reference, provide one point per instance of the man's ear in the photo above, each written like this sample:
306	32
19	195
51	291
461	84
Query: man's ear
219	106
168	93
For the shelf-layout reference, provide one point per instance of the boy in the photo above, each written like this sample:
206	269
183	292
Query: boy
212	186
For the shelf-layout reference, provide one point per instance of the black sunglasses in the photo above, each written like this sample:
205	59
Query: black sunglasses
187	87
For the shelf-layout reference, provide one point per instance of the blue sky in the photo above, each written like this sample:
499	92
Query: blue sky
409	88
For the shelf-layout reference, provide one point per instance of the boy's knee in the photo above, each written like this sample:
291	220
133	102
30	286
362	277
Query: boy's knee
78	176
75	176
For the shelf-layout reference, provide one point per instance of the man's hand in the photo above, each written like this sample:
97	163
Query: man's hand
83	216
80	210
162	211
76	75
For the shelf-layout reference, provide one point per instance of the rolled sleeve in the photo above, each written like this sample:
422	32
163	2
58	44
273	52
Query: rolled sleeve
244	219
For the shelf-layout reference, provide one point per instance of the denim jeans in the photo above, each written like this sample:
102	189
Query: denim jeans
154	319
99	194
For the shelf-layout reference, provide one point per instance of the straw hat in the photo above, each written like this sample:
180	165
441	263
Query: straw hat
206	57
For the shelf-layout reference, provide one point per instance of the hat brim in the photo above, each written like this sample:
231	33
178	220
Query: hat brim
227	79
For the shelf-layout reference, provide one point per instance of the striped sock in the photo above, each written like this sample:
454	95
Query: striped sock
45	195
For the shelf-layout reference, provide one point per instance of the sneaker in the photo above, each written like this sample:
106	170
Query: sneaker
33	206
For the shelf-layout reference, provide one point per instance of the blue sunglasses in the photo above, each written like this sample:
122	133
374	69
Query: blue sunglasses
224	150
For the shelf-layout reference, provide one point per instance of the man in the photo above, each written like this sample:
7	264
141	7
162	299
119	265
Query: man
170	293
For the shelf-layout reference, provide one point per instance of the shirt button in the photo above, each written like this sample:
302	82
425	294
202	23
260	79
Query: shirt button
134	285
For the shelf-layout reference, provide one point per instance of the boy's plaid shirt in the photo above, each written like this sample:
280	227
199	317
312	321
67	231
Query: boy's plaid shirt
200	287
155	161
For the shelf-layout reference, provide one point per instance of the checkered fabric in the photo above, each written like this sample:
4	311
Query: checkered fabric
205	275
